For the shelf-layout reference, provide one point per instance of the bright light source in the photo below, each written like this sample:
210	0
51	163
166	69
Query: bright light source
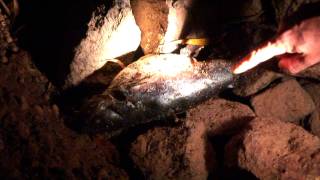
260	55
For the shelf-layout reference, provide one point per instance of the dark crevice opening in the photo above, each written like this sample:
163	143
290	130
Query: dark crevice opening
223	172
50	30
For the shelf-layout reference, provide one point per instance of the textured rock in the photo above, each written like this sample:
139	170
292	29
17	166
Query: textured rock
151	16
313	88
7	43
286	9
252	83
176	19
220	116
287	101
184	151
202	19
311	72
314	122
272	149
173	153
252	8
107	38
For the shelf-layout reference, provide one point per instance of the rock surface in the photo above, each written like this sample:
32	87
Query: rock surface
184	151
173	153
151	17
220	116
314	122
255	81
34	141
287	101
311	72
272	149
107	37
7	43
285	10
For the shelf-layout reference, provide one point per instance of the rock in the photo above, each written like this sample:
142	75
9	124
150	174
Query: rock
311	72
23	103
176	23
272	149
313	90
55	110
23	130
39	110
151	16
255	81
110	172
220	116
184	151
286	101
314	123
248	8
174	153
108	37
202	19
7	45
285	10
314	120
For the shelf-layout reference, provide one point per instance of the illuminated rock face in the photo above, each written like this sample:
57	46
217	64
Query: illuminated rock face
178	11
151	17
109	36
160	21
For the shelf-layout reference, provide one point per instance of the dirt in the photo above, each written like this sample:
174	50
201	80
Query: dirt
34	139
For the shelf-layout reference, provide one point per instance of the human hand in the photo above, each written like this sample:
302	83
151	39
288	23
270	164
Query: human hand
301	44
